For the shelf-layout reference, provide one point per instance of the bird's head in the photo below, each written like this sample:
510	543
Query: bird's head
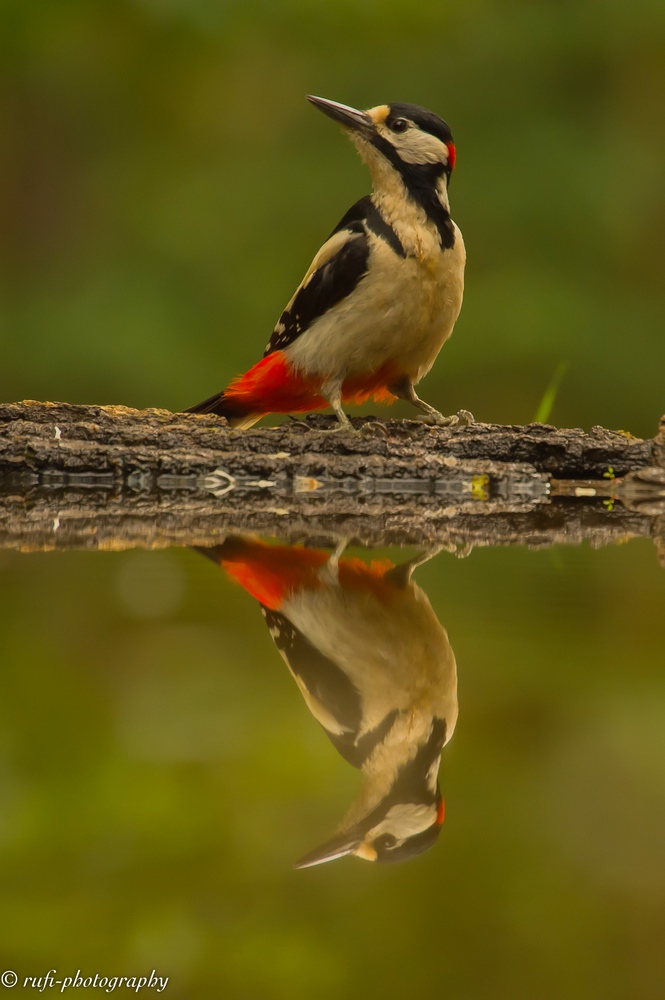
399	812
410	140
395	831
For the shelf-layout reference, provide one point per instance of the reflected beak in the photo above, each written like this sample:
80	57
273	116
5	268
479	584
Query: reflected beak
346	116
336	847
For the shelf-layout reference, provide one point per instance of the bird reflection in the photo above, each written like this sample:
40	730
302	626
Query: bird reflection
376	670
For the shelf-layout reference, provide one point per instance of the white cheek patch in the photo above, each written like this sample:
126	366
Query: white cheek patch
406	820
415	146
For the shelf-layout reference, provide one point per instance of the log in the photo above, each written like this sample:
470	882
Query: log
114	477
46	437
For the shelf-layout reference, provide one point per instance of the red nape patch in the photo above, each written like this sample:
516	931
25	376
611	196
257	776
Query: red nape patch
452	154
271	572
271	386
441	813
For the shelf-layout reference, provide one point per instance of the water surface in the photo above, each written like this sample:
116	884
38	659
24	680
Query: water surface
160	773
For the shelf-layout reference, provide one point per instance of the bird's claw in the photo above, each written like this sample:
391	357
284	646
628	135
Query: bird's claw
463	418
349	428
373	425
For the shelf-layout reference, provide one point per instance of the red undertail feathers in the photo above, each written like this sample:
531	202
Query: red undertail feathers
270	573
273	386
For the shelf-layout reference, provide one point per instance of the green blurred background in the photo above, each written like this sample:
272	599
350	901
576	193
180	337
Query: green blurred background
164	185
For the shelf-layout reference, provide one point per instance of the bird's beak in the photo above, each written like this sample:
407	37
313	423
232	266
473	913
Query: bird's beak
337	847
346	116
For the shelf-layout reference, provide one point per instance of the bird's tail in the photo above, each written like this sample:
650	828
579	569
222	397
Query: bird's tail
224	405
270	386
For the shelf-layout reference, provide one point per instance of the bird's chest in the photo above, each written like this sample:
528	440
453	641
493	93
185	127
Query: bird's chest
420	282
399	314
416	299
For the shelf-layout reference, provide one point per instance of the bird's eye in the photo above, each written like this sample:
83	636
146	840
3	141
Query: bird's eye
385	841
400	125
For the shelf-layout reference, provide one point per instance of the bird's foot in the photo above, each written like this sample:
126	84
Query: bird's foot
342	427
330	569
371	426
328	424
460	419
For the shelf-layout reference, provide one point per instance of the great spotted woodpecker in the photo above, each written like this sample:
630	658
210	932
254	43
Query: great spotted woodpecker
383	293
376	670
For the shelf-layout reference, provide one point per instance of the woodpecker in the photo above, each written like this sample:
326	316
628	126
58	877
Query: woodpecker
376	670
383	293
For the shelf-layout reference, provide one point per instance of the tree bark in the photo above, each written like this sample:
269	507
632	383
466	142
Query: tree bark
113	477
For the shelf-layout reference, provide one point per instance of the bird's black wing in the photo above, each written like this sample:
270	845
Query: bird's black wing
323	680
356	749
338	267
355	217
364	216
326	684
